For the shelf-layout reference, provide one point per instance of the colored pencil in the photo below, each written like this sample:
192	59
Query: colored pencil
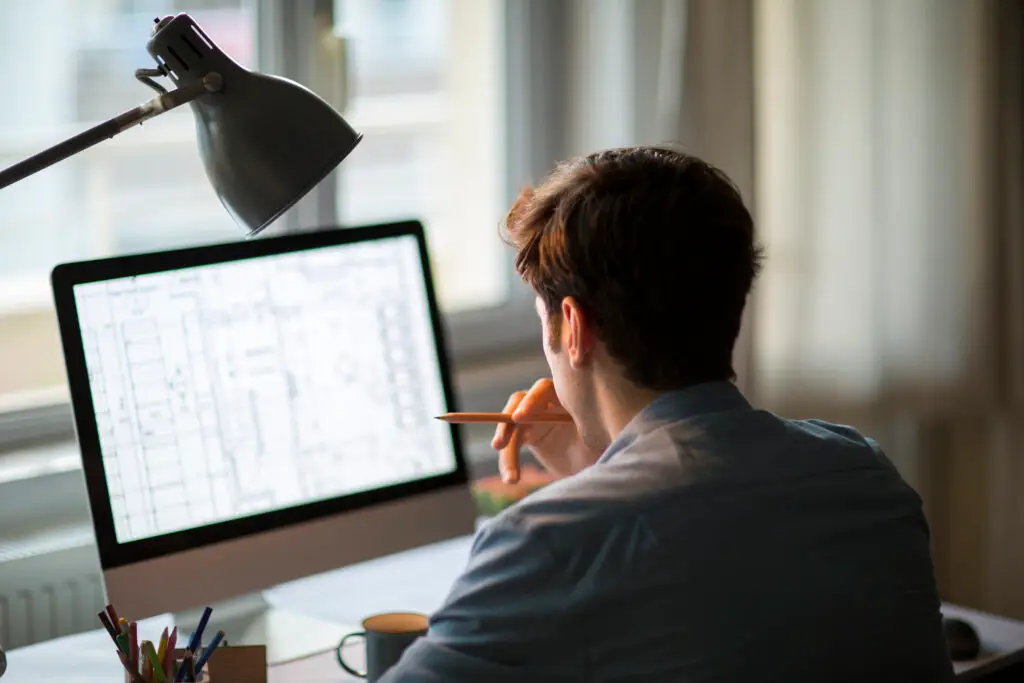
145	647
109	625
133	672
168	659
209	651
133	644
197	637
161	651
155	667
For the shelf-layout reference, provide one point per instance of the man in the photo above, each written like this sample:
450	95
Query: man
693	537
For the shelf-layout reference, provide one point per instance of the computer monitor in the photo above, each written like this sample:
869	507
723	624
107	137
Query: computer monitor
256	412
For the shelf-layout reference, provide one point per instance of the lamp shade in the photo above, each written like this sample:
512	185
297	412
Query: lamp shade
265	141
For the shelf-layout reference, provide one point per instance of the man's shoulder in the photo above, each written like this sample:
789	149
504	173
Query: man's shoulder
841	437
566	513
575	501
591	506
607	488
655	469
832	431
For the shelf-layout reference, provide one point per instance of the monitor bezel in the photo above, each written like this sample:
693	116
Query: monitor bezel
66	276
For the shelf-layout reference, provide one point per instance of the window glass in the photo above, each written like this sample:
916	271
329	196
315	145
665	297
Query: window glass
424	91
143	190
66	65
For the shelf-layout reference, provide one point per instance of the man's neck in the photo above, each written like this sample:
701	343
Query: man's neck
618	402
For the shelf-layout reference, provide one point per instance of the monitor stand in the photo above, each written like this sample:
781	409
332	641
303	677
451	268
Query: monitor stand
251	620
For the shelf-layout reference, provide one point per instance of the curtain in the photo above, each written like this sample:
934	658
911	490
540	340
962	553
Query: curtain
879	143
876	177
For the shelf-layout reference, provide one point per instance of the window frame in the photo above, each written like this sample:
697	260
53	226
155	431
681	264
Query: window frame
536	98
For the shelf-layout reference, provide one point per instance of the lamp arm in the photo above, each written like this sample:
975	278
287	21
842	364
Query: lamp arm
212	82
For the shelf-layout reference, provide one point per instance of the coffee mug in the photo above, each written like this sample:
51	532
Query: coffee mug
386	637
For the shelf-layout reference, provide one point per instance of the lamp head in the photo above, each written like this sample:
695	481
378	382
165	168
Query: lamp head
265	141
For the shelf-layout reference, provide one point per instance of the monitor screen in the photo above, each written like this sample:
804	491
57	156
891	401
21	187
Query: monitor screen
243	387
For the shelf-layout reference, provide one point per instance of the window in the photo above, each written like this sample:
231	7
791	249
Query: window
425	91
425	87
143	190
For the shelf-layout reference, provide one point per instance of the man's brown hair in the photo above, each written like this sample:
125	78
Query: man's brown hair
658	249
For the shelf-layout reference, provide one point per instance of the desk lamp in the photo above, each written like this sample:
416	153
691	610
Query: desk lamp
265	141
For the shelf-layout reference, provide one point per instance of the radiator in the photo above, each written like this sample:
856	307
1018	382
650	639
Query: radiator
50	585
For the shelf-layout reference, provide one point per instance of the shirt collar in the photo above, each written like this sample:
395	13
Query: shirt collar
674	406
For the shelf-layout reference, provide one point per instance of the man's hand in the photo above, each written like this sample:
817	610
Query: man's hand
557	446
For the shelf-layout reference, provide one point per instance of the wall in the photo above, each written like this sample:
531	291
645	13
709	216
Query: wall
30	353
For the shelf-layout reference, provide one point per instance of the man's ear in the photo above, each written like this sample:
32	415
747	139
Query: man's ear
576	332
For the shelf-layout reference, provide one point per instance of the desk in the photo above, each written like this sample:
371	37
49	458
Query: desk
416	580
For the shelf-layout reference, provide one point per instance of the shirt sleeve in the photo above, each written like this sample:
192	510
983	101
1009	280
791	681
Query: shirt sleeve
503	619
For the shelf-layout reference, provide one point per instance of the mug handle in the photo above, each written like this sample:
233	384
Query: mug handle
341	660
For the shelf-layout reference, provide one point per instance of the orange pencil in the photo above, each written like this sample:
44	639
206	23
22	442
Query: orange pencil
503	418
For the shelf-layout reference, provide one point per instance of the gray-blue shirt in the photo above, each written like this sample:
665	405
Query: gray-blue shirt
711	542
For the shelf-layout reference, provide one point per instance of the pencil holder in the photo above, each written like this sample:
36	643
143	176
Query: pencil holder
229	664
237	664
